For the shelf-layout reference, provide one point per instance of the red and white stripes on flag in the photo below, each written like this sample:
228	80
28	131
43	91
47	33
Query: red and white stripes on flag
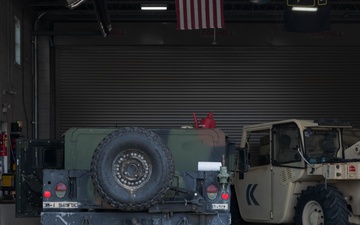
199	14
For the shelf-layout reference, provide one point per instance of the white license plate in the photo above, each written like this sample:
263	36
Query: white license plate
220	206
67	205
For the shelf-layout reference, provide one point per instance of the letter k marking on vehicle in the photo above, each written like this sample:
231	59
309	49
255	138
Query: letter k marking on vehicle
250	194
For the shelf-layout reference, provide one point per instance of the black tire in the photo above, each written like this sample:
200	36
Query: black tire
132	168
321	205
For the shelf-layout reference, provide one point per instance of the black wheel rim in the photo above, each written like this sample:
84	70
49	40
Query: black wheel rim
132	169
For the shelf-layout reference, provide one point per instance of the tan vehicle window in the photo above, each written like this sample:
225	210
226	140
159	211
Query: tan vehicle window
286	144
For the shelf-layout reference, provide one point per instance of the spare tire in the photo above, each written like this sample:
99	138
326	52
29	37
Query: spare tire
132	168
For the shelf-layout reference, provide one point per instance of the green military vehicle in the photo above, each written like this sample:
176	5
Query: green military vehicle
298	171
108	176
292	171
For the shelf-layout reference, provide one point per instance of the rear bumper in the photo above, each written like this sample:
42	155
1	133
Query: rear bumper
132	218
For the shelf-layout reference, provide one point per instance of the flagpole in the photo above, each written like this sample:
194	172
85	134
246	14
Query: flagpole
214	41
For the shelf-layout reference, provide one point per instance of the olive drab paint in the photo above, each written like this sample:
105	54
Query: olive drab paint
112	176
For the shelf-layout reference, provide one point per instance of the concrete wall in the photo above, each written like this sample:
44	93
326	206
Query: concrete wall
15	80
15	88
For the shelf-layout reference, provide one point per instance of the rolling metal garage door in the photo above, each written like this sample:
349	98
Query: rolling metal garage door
159	86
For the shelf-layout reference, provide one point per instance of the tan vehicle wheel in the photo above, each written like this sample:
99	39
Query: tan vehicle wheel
321	205
313	213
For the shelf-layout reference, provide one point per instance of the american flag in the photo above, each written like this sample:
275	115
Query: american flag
199	14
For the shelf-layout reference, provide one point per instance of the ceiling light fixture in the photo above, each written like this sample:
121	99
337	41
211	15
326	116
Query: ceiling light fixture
305	9
153	7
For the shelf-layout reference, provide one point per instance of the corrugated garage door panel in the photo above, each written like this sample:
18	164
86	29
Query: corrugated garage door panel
152	86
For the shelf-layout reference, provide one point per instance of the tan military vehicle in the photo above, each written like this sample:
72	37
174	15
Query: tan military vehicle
298	171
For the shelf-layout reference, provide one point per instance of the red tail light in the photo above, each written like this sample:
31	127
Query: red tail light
352	169
60	190
212	191
225	196
47	194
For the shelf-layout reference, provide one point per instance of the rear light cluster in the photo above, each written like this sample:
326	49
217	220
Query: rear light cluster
212	192
352	169
60	191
